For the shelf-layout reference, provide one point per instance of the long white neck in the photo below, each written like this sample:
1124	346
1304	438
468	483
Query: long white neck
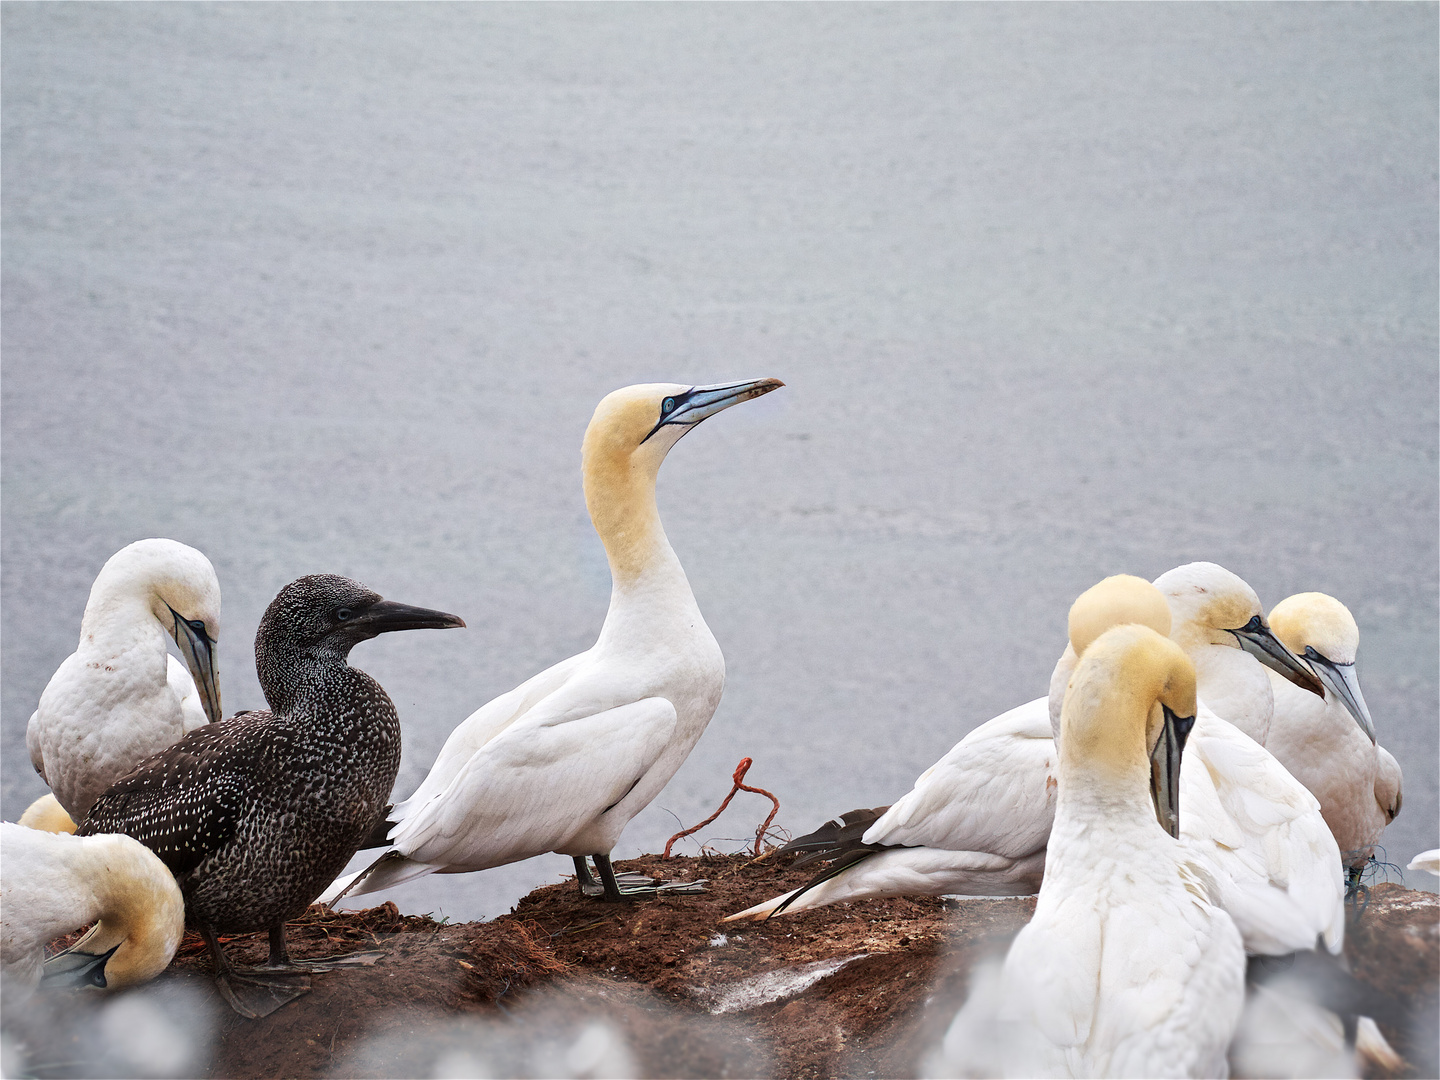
651	595
119	616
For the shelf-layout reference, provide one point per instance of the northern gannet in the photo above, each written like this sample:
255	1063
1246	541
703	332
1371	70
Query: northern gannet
985	810
1328	743
1129	966
565	760
254	815
120	696
52	884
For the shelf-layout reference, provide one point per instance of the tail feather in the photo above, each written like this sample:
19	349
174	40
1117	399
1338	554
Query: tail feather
763	911
380	834
857	853
390	869
833	838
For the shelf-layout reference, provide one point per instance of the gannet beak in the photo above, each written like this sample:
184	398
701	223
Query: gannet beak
73	968
1165	769
198	650
1341	679
689	408
1256	639
386	616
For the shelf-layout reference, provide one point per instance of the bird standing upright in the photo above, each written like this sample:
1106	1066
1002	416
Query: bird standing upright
565	760
120	697
255	814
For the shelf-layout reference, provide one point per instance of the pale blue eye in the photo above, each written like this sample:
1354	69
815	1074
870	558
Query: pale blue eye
667	406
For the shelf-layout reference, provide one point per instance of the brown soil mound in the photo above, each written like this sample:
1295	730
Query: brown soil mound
569	986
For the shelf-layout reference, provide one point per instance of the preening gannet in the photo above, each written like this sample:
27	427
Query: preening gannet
1129	967
1260	831
120	697
47	815
254	815
1328	743
565	760
52	884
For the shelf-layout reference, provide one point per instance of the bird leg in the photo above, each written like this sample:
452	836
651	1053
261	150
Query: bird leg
280	957
616	888
1356	894
254	992
588	885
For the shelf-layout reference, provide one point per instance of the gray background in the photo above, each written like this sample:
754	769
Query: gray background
1058	291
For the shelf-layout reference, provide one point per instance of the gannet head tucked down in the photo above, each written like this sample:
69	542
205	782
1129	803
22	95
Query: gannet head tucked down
51	884
1128	711
1320	629
1216	617
1128	967
115	699
564	761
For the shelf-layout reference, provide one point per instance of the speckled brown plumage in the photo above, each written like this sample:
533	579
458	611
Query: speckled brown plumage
256	814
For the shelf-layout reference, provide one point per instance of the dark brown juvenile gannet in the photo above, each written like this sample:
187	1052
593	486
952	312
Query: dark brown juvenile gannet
256	814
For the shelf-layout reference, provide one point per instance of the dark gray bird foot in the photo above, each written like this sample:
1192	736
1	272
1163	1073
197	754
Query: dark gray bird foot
627	886
327	963
256	992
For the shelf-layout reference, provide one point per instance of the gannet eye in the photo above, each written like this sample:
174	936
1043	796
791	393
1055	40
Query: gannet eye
667	406
344	613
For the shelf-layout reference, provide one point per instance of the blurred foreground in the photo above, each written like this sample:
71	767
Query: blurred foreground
567	987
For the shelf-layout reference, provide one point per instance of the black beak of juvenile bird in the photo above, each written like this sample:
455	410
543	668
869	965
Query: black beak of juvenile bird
1256	639
387	615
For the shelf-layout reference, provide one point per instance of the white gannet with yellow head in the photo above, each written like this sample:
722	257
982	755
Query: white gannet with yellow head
978	821
564	761
1129	966
1329	743
1217	619
52	884
120	696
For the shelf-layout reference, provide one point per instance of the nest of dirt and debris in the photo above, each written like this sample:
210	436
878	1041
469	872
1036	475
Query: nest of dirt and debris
566	985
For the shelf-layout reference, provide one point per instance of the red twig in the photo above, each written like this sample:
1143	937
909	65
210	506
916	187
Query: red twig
740	771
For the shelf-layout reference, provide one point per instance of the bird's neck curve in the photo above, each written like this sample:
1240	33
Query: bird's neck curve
139	908
120	621
290	674
620	495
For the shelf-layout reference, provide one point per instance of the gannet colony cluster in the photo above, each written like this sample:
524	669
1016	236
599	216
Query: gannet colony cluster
1201	783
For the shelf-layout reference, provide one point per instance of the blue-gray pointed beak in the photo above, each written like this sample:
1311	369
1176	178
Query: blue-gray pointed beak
198	649
73	968
1256	639
1341	680
691	406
